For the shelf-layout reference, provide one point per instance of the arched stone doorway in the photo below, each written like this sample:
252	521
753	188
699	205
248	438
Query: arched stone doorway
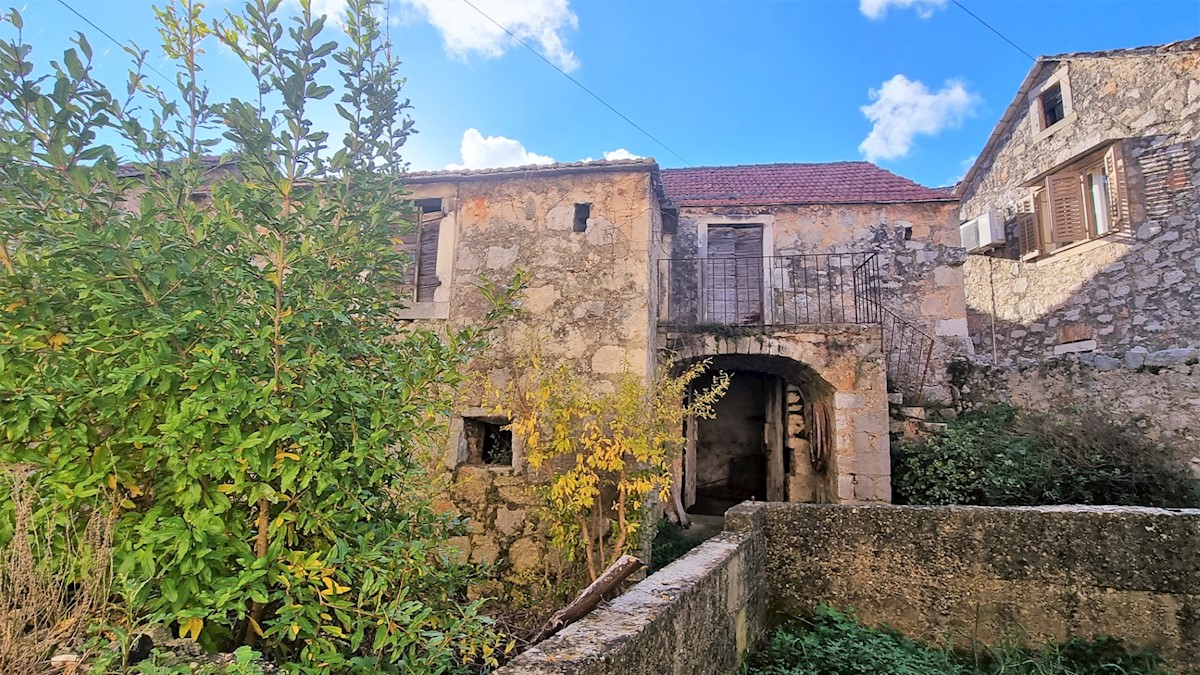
805	420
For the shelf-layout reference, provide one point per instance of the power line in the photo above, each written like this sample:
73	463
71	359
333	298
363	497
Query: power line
110	37
577	83
989	27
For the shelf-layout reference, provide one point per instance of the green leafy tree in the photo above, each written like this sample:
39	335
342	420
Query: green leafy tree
215	342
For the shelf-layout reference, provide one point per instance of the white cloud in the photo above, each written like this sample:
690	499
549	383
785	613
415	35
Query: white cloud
466	31
903	108
620	153
334	9
493	152
876	9
964	166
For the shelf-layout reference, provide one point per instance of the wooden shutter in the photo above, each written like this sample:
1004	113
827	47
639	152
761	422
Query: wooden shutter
1027	229
427	277
407	245
734	276
1118	191
1067	221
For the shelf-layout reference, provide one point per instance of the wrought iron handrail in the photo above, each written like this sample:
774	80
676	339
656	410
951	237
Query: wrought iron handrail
784	290
795	290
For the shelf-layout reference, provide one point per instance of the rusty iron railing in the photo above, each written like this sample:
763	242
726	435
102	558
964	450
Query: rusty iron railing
795	290
781	290
908	351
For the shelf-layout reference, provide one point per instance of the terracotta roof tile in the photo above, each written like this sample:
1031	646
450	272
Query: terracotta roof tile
762	184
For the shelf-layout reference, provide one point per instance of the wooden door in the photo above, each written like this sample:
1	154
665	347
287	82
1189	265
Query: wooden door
733	273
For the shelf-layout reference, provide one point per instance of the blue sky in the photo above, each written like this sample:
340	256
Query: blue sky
914	85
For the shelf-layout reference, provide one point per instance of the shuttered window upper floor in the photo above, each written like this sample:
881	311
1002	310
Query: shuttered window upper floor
1085	199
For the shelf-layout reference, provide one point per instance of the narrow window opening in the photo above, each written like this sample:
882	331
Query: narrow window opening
488	441
582	213
1053	110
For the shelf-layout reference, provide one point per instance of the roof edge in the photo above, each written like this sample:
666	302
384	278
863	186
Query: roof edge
647	164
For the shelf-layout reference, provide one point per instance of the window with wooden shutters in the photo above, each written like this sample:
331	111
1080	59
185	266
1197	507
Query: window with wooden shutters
421	245
1118	191
1027	230
1084	200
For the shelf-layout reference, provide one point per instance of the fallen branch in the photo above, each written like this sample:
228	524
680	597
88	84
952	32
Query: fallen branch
589	597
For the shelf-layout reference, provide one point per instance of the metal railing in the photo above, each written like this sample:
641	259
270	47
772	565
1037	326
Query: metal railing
770	290
908	351
795	290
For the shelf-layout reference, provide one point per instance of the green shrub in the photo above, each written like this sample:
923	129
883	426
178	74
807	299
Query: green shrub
835	643
1000	456
216	349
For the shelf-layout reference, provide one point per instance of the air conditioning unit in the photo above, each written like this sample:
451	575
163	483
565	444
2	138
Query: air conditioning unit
983	232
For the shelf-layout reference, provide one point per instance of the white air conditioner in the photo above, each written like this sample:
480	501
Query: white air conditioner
982	233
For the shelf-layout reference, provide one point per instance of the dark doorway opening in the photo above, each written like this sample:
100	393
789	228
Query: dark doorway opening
731	452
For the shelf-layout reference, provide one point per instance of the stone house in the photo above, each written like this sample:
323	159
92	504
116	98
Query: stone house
1082	220
826	289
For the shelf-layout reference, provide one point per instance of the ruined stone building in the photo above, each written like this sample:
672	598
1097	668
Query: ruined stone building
1082	221
826	289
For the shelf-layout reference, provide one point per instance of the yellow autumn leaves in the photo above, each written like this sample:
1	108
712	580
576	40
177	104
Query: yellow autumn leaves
604	453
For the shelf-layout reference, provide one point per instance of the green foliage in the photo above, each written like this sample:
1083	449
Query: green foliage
835	643
217	347
1001	456
245	662
669	545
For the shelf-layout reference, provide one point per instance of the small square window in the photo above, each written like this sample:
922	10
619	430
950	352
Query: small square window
582	213
488	441
1053	109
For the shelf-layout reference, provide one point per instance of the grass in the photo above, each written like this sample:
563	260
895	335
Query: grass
670	543
834	643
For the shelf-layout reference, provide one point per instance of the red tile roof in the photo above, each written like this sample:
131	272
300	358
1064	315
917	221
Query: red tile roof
761	184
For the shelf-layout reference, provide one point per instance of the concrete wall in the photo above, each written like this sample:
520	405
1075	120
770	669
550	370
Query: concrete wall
975	572
920	255
697	616
588	301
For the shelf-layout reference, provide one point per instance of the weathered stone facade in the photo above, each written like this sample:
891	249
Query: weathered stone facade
1122	301
592	238
587	302
1136	287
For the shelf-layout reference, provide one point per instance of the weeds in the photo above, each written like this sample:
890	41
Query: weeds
55	578
1001	456
835	643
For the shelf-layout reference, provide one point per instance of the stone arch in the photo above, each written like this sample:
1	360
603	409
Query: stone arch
839	367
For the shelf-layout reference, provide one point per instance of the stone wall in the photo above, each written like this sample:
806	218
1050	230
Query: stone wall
587	302
1095	323
1136	288
981	573
919	251
697	616
839	364
1157	391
